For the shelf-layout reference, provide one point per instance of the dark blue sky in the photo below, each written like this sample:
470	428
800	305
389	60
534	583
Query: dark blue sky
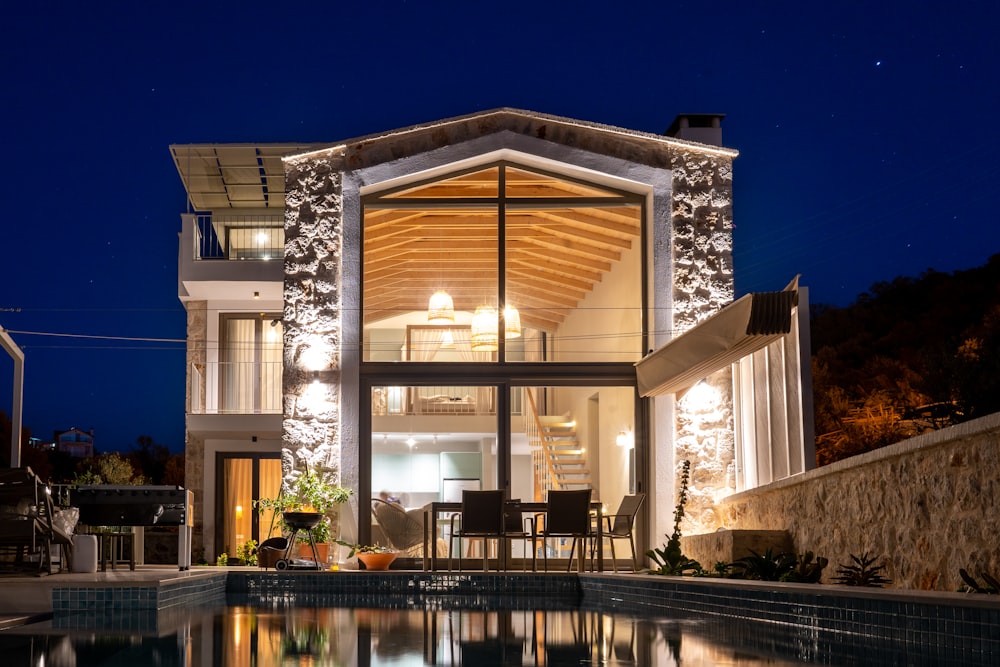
868	136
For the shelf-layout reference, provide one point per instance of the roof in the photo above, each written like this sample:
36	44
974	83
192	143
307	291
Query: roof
251	176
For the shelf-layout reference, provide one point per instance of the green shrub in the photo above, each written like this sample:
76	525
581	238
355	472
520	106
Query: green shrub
862	572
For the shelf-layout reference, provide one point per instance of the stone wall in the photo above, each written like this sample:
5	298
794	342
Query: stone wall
702	219
312	318
927	505
194	447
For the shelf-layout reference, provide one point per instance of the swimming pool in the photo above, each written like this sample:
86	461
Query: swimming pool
435	619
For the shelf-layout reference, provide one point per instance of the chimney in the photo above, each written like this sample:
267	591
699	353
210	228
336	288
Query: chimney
705	128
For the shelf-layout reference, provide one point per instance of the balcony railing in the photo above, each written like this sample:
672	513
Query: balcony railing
239	237
236	388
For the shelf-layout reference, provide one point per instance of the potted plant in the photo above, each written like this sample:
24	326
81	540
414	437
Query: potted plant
373	556
308	493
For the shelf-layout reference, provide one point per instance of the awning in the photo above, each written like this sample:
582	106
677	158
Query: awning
746	325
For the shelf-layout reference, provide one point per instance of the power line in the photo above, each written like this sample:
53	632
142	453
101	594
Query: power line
88	336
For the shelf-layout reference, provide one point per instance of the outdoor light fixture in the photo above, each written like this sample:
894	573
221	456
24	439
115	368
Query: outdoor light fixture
484	329
256	295
441	309
411	441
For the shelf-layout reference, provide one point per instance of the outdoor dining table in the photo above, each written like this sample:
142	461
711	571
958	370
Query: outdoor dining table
434	509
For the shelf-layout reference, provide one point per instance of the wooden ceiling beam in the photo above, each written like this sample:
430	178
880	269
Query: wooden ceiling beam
562	245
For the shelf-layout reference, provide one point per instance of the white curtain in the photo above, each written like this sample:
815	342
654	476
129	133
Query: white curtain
236	504
424	343
237	370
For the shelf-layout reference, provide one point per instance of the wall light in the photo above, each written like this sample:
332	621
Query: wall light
625	439
256	295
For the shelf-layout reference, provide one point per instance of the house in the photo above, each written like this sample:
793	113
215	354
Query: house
78	444
471	303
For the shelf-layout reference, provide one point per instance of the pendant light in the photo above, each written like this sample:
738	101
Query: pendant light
484	329
441	309
511	322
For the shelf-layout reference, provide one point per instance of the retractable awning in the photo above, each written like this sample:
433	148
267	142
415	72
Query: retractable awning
746	325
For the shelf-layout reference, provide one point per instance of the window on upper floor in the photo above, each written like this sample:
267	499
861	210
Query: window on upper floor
502	262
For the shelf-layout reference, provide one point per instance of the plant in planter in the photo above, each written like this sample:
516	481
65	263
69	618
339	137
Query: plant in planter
670	560
862	572
247	553
374	556
990	585
309	492
767	566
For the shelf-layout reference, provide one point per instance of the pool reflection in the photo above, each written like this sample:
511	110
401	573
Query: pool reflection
245	636
369	637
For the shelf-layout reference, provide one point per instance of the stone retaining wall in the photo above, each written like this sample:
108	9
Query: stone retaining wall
928	506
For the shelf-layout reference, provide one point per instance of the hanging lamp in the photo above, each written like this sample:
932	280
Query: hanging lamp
441	309
484	329
511	322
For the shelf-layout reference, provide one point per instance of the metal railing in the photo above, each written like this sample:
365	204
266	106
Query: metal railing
236	388
444	400
239	237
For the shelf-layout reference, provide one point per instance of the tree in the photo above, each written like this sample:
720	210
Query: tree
908	356
108	469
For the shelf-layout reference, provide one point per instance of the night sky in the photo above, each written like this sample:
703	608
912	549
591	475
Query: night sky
868	134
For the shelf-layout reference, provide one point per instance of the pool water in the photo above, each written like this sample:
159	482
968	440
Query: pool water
355	635
240	636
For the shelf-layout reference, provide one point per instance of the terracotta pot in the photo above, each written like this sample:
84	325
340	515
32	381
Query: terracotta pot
305	551
377	561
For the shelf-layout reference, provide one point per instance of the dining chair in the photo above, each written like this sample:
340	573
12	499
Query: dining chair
567	515
620	525
482	517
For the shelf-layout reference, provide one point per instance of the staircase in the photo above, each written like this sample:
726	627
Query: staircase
559	461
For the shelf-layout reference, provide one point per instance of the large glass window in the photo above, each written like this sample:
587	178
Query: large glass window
249	376
502	263
528	286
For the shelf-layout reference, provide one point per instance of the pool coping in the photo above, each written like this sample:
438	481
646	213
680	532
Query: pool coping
968	623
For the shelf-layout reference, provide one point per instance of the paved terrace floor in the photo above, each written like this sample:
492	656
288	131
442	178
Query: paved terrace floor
26	596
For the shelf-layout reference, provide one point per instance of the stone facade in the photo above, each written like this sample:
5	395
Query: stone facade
926	505
702	220
194	447
312	318
699	218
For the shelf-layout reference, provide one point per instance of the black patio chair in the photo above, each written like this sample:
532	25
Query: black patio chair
482	517
567	515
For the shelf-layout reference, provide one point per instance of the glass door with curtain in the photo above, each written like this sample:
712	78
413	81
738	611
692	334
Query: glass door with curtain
243	479
250	367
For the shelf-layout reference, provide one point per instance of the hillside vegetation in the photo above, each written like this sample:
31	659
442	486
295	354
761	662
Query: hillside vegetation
911	355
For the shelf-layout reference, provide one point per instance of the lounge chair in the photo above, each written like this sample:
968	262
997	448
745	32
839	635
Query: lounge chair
28	531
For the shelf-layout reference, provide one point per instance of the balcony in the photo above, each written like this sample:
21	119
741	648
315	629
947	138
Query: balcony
238	237
236	388
230	249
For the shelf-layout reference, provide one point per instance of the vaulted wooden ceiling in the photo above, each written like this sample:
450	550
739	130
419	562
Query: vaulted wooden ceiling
561	238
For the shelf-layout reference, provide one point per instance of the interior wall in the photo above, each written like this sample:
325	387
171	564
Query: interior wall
607	324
